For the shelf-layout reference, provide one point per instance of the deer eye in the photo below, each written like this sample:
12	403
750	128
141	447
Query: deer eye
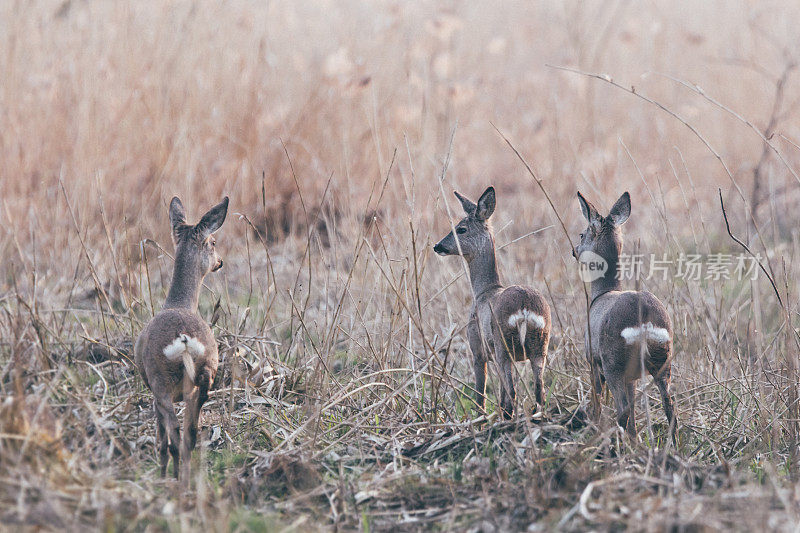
461	230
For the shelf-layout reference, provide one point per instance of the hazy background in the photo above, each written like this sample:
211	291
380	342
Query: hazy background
139	101
339	129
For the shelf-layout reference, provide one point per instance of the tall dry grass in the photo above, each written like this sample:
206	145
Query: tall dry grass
338	130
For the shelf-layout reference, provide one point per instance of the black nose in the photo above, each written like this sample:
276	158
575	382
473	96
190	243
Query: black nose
574	253
217	266
439	249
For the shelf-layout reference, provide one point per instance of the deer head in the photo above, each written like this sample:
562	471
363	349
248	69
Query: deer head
602	236
472	234
195	245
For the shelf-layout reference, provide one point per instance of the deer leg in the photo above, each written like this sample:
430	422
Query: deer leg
663	382
630	393
161	440
598	378
507	396
598	381
538	364
191	414
503	397
479	366
172	432
623	399
478	363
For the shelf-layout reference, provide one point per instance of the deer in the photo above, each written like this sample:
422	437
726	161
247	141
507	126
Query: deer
176	352
509	323
628	330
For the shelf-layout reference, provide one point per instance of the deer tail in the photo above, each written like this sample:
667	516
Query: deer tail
186	348
521	319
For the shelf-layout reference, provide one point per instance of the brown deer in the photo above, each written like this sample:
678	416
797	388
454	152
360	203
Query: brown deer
176	352
513	322
629	330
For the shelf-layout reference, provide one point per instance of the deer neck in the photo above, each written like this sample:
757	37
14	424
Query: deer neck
610	280
184	291
483	270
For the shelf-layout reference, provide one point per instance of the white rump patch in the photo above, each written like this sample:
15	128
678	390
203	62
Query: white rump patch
184	347
521	319
645	331
523	315
181	343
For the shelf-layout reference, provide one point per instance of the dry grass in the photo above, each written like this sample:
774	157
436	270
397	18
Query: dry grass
344	401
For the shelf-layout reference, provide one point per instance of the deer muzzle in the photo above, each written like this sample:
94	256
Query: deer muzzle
439	249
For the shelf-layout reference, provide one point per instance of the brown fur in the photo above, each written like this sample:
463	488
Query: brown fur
616	362
168	380
488	330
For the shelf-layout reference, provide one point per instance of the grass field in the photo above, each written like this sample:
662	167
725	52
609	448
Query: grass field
339	130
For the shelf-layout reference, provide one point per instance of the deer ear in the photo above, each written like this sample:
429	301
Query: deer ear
213	220
621	210
177	216
588	210
468	205
486	204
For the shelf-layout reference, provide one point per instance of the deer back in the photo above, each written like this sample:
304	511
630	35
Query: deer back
499	314
620	323
160	334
